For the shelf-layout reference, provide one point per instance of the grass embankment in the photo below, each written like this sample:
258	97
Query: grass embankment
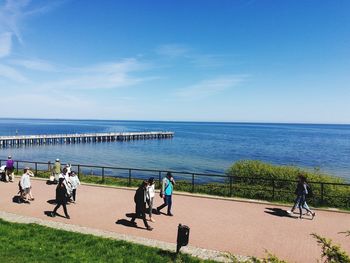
35	243
252	180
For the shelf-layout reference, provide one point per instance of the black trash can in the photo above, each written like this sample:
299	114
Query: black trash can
183	234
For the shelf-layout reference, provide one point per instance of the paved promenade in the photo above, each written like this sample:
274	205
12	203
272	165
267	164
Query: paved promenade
237	227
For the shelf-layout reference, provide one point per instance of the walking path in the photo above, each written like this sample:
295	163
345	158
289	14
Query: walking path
237	227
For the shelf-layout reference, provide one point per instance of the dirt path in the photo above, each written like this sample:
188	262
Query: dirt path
237	227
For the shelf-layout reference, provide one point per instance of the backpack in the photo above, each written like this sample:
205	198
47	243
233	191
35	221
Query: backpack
309	191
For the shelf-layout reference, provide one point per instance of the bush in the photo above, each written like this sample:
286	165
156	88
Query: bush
255	179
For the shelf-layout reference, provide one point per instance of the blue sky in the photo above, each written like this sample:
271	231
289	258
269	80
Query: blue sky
194	60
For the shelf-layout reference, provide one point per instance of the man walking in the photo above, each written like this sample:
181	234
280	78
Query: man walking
167	192
10	168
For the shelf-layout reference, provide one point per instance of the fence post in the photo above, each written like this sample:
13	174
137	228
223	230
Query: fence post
192	183
231	186
273	189
79	171
17	167
322	193
36	168
103	174
160	179
129	180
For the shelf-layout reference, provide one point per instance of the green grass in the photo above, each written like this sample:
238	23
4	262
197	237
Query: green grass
35	243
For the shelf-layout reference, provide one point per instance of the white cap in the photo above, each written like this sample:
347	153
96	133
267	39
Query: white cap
57	160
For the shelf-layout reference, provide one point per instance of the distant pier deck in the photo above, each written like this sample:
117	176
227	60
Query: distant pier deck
18	140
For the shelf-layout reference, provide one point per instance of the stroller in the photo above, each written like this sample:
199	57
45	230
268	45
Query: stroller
3	173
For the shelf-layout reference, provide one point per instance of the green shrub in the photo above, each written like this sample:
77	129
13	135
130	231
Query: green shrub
255	179
331	253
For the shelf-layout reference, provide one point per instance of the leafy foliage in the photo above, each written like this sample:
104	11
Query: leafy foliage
331	253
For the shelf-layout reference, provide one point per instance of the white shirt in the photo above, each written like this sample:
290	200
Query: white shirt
74	180
150	191
25	180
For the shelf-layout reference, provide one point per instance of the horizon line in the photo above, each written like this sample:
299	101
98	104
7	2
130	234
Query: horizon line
178	121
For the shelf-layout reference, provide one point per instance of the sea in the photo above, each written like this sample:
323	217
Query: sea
198	147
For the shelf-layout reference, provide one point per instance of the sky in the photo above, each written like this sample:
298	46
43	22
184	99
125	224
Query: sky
183	60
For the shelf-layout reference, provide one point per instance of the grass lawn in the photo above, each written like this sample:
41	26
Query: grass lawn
35	243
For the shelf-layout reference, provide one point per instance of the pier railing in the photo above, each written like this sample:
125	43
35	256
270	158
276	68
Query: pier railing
324	193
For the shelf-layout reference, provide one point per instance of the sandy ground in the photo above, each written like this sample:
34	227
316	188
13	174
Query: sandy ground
237	227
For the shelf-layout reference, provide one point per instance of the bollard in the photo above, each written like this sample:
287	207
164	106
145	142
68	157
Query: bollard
183	234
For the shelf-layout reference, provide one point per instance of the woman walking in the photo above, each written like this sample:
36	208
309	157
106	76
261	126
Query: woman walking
140	202
61	198
74	181
150	192
300	201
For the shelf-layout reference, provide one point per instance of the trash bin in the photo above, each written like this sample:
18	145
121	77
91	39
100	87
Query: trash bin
183	234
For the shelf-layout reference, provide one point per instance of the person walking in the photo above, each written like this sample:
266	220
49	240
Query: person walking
140	205
61	198
300	201
74	181
56	170
26	185
150	193
9	170
66	181
166	193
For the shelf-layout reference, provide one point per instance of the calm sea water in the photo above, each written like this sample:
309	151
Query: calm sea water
196	147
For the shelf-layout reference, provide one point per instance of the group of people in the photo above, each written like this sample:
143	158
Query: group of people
67	183
144	199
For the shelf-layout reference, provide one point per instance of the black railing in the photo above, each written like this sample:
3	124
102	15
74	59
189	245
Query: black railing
325	193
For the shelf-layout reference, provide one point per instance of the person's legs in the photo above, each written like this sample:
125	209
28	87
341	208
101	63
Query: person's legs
300	205
31	198
150	204
163	205
143	216
65	211
296	203
56	208
74	194
169	203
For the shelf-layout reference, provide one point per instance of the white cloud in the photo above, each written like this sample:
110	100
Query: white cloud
101	76
12	74
34	64
13	12
172	50
5	44
207	88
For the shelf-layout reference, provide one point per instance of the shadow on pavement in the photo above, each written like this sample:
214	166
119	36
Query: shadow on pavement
51	201
17	199
278	212
126	223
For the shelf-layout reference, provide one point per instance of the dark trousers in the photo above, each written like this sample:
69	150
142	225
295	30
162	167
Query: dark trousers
140	213
64	208
167	202
74	192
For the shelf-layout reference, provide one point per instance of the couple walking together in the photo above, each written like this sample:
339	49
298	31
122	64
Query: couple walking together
145	194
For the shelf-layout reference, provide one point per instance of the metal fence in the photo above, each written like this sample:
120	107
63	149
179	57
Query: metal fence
325	193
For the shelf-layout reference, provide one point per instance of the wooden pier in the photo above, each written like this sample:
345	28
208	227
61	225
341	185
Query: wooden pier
18	140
